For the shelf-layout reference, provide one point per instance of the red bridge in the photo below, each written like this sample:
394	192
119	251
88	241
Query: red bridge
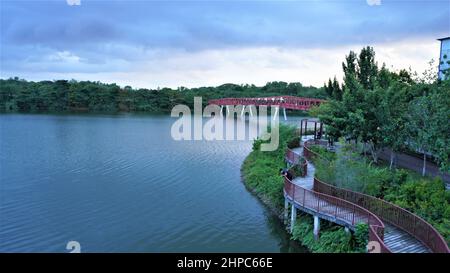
286	102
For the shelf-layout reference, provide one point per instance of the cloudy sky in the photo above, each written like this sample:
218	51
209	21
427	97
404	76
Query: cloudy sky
148	43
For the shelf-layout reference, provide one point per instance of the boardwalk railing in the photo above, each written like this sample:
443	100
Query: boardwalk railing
295	159
338	209
393	214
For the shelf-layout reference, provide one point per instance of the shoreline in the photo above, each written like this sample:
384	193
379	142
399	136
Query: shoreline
267	203
271	207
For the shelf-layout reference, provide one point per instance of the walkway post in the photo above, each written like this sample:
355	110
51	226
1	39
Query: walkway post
293	216
315	130
316	227
321	130
301	129
286	210
306	127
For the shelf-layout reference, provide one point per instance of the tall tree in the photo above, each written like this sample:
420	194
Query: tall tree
420	126
337	91
329	88
349	68
392	116
367	69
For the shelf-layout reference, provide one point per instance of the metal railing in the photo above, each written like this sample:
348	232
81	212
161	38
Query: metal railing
393	214
338	209
294	159
289	102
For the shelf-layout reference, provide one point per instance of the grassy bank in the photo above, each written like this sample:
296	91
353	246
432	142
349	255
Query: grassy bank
260	175
260	171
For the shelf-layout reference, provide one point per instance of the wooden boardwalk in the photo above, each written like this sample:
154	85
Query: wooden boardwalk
395	239
400	241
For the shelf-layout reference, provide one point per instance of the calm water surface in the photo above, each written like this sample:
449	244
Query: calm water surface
120	183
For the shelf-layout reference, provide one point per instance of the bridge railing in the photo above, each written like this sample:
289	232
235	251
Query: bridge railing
289	102
339	209
393	214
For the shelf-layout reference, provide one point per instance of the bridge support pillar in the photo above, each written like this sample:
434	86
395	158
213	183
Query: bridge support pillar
293	216
276	112
286	211
347	229
242	111
284	113
228	110
251	112
316	227
221	110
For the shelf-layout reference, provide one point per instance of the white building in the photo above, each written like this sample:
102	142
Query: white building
444	58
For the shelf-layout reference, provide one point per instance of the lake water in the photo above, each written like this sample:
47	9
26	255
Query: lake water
120	183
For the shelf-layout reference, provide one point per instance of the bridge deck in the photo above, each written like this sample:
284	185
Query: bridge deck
400	241
287	102
397	240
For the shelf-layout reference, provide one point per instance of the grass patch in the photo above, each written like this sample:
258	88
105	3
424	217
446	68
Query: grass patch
260	169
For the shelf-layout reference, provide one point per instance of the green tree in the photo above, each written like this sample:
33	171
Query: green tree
422	131
392	116
367	70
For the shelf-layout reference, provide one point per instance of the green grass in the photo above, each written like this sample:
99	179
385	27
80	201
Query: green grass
261	169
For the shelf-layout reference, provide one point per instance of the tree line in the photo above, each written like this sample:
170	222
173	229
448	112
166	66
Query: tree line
18	95
384	109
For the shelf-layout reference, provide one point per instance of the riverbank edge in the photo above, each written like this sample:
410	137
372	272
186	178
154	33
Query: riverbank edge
267	203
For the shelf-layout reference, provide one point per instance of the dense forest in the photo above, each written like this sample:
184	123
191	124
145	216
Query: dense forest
18	95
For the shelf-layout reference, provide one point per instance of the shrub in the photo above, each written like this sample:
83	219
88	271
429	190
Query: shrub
332	239
294	143
361	237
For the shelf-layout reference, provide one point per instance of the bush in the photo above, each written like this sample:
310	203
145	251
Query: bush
426	198
323	152
361	237
294	143
332	239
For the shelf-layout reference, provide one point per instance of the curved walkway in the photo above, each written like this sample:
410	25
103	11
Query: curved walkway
300	192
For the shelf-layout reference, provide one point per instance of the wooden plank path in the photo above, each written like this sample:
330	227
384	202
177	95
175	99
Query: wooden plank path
400	241
395	239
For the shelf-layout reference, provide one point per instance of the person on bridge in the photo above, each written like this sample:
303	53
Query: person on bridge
286	173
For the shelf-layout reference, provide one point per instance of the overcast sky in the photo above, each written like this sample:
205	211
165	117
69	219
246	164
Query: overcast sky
201	43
